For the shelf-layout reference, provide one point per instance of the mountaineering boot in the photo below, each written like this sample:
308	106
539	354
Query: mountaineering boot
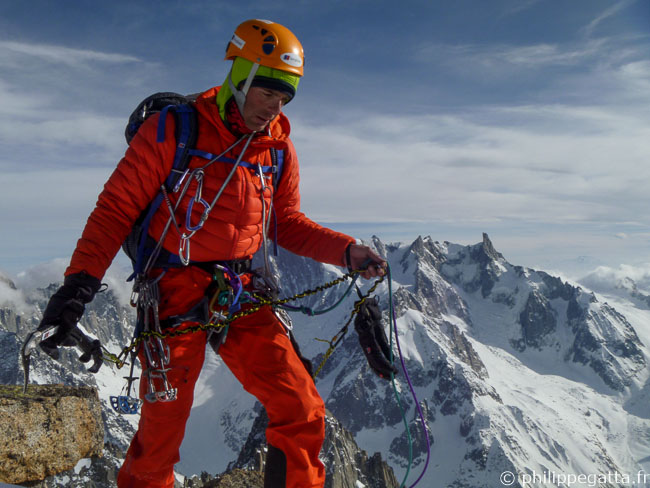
275	468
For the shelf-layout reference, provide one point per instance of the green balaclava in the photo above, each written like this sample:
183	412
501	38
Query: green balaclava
237	80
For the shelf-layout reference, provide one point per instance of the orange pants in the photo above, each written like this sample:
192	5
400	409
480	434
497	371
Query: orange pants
259	353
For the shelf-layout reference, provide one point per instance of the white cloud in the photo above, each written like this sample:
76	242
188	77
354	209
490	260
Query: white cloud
12	297
44	274
595	71
10	51
589	29
635	77
541	163
619	280
498	61
519	6
53	100
83	137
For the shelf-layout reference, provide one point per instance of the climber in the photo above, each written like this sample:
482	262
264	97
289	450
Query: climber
241	120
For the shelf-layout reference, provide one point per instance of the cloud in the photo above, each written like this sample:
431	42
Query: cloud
635	77
499	60
11	296
518	7
56	104
65	139
589	29
10	51
583	71
43	274
619	280
541	163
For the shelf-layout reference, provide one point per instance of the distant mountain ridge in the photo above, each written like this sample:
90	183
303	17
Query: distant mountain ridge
516	371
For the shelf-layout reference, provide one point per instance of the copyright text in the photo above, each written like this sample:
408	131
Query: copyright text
641	479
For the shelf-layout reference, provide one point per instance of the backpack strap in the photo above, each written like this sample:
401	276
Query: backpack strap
186	135
277	155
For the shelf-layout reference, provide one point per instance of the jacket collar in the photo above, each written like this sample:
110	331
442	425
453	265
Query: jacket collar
275	135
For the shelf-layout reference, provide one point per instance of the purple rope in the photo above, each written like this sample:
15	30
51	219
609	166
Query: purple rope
236	284
417	403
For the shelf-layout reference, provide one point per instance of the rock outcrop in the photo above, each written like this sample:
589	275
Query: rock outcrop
47	430
346	465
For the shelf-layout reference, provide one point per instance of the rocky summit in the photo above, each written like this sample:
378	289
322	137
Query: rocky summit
47	430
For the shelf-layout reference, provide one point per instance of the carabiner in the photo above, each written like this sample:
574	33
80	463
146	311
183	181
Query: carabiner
184	249
180	181
204	215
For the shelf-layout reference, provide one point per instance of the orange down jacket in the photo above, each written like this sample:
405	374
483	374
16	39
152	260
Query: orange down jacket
234	228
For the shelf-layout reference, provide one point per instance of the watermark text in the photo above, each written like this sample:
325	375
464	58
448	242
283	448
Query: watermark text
640	479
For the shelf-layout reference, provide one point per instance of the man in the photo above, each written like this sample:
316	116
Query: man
224	211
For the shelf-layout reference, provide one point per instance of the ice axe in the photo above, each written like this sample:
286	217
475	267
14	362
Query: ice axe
90	348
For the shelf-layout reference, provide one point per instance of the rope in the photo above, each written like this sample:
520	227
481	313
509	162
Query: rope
120	359
311	312
393	329
333	343
338	337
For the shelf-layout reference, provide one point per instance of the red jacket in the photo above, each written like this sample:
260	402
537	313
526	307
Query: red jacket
234	228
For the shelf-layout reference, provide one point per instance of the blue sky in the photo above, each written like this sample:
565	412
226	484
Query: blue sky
525	119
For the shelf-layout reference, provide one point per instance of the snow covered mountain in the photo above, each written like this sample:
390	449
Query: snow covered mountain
523	379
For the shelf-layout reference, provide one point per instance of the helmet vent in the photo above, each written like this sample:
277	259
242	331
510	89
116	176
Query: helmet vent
269	44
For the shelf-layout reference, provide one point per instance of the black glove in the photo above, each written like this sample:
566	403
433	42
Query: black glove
64	309
373	339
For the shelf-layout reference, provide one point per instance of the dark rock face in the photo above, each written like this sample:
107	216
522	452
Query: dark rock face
345	463
538	320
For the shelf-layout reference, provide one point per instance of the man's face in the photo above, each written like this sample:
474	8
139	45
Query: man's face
262	106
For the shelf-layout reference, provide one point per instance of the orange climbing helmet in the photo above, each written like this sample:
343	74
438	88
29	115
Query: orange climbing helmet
268	44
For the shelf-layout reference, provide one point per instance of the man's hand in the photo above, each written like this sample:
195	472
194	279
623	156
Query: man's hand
362	257
64	310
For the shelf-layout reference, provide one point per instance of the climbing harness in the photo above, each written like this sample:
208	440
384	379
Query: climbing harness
223	319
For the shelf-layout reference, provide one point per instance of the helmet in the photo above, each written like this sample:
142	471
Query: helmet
264	53
268	44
